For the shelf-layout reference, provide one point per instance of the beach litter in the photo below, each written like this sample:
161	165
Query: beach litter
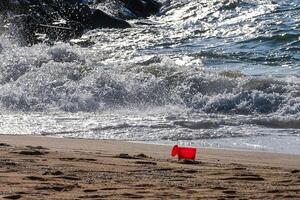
184	153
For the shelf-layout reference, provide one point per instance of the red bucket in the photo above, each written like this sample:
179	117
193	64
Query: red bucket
184	152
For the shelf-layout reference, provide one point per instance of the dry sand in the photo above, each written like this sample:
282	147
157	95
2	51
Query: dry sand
50	168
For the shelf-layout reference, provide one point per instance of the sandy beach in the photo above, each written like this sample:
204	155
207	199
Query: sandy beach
87	85
51	168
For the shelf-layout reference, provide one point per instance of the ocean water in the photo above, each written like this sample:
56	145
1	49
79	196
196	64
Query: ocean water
213	73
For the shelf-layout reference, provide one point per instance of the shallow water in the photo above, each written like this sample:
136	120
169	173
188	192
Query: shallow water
204	73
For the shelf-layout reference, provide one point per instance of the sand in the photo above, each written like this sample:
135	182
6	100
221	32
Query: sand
55	168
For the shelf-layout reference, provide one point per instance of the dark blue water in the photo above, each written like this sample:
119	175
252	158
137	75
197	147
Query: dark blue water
212	73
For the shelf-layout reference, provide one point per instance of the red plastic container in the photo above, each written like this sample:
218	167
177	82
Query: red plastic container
184	152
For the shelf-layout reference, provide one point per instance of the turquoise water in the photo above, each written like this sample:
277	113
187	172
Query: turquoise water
201	73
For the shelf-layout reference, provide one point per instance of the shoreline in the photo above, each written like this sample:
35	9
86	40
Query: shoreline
221	148
215	148
38	167
162	151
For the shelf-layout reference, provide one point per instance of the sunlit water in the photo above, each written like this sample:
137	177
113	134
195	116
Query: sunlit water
167	82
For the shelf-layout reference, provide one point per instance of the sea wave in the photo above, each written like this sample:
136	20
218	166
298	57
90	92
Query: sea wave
62	78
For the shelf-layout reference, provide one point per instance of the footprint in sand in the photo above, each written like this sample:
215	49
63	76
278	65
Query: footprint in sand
246	177
57	188
53	173
229	192
90	190
16	196
188	171
96	196
111	189
127	156
285	181
71	178
145	163
135	196
296	171
37	147
34	178
7	162
164	169
219	188
32	152
141	155
124	156
275	191
189	162
145	185
239	168
4	145
79	159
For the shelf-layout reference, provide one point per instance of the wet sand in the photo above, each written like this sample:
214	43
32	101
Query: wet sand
51	168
